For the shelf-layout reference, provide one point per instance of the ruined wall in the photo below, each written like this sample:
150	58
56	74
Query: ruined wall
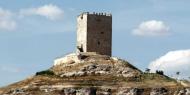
98	36
82	31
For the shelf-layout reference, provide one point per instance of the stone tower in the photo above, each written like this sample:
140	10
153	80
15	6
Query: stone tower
94	33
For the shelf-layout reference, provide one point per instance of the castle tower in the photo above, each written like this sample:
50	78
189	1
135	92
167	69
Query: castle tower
94	33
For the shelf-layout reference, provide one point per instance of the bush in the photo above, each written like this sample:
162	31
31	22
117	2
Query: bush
46	72
160	72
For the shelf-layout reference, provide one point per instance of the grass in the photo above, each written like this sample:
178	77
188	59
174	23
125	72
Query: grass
154	76
127	64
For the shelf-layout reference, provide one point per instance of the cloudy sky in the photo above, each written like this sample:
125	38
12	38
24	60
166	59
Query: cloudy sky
150	33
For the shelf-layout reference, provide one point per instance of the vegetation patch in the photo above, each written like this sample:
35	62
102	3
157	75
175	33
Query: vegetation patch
45	72
154	76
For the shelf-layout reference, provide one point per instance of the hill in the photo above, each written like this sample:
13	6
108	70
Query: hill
94	74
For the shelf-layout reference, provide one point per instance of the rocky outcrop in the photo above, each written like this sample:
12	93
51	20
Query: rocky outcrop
93	64
131	91
69	91
87	91
185	91
159	91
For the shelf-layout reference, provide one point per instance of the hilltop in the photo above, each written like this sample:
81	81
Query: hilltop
95	74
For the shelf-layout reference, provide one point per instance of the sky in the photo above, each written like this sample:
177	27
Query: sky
149	34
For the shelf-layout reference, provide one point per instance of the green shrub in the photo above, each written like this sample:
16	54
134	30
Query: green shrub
45	72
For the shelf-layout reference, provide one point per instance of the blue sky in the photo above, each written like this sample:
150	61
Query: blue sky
32	37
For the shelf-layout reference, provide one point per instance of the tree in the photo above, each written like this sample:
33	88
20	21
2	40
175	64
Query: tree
160	72
178	73
147	70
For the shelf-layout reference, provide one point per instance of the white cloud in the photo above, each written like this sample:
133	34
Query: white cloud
172	62
151	28
50	11
9	69
6	20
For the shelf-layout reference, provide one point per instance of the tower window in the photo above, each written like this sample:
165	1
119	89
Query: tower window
98	42
81	17
102	32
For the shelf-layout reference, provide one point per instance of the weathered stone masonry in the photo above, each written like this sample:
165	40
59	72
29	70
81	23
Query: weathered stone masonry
94	33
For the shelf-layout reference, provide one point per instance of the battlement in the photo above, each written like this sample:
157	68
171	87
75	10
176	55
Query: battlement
96	14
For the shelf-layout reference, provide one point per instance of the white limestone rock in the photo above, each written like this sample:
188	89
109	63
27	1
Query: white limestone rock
68	59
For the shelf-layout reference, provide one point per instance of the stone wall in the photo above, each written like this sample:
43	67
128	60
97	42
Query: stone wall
82	32
94	32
